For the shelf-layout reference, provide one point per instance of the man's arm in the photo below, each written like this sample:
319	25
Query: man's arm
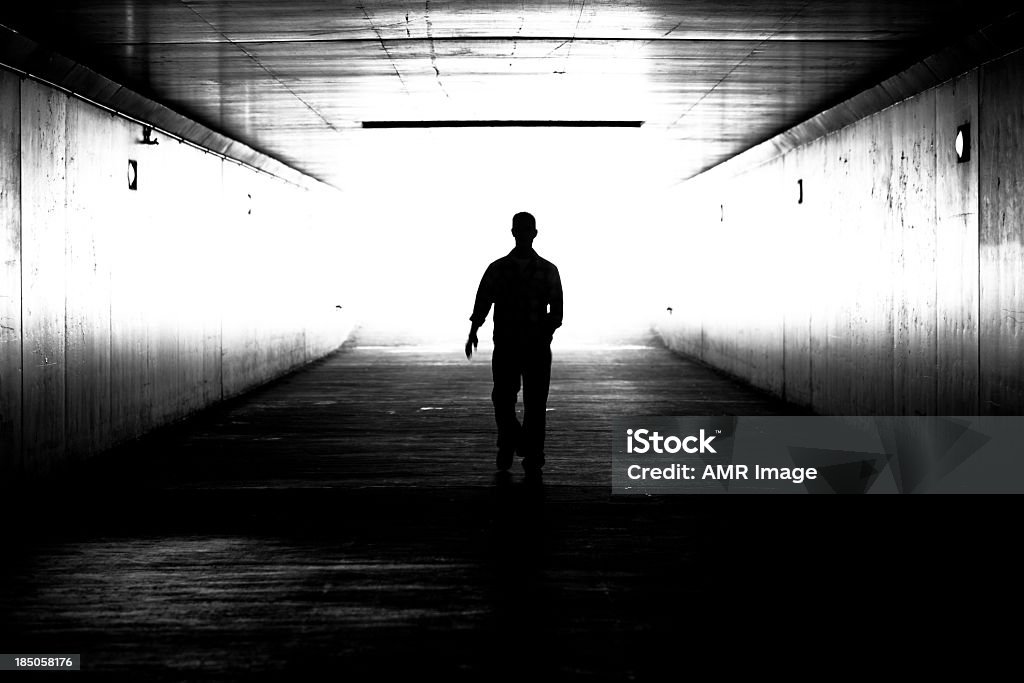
482	305
471	340
555	301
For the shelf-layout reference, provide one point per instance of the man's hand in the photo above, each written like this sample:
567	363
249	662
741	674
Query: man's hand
471	343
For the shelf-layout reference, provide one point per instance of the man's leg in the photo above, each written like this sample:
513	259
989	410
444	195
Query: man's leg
536	381
505	370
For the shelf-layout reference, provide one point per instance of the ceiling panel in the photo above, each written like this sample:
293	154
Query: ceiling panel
296	79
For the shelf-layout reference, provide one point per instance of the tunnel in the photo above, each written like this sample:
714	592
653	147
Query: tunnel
243	432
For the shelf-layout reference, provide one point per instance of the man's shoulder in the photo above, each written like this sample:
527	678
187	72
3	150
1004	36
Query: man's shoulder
508	261
498	262
547	265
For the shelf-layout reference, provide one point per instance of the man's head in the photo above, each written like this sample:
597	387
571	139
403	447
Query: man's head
524	228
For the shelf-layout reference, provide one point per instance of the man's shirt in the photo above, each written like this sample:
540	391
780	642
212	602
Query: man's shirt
521	291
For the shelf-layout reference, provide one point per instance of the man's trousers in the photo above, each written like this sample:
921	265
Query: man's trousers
527	365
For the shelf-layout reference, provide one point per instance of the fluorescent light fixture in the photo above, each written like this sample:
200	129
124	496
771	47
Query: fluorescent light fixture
529	123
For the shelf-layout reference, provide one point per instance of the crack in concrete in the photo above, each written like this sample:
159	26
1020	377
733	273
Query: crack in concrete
740	63
571	39
664	35
383	46
575	30
667	33
255	60
515	38
433	53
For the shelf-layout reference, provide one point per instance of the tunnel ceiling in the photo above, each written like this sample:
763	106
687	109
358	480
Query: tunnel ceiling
297	79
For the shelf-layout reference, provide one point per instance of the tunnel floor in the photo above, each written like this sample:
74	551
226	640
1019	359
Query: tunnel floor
348	518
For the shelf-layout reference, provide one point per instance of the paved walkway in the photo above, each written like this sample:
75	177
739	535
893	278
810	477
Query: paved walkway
348	516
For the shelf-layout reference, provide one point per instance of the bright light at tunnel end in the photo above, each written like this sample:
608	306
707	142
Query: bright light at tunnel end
421	232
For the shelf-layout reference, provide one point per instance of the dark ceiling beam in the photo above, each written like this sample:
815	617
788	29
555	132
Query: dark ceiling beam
492	39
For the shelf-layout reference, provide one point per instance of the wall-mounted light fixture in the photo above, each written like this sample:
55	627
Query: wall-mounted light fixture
962	143
147	136
800	194
133	174
721	213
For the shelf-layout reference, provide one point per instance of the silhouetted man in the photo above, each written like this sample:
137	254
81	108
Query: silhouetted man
527	296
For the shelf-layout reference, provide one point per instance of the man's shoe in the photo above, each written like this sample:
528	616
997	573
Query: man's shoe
504	460
533	465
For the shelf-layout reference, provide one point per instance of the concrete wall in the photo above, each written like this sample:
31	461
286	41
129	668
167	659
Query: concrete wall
124	310
1001	241
895	287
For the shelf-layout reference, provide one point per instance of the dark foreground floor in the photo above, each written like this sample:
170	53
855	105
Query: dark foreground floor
347	521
